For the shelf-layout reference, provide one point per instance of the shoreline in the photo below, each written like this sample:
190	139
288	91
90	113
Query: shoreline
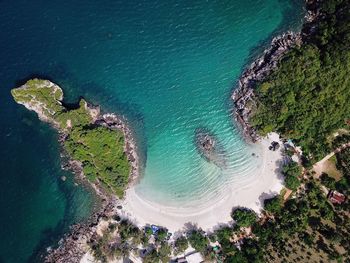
73	245
213	215
243	98
267	183
243	95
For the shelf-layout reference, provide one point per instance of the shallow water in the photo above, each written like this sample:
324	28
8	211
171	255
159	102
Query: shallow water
169	67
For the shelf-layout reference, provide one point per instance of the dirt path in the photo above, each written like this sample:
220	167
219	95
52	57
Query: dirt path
319	167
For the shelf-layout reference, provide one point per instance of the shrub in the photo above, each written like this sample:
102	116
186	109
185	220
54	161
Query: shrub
198	241
181	244
273	205
244	217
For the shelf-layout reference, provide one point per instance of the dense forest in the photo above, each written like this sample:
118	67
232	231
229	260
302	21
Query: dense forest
307	97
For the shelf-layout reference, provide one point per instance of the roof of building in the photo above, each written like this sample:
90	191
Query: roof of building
195	258
336	197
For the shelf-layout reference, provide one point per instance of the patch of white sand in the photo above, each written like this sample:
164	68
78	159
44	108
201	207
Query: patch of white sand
266	182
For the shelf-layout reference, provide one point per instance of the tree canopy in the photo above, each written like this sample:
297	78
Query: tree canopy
291	172
244	217
307	97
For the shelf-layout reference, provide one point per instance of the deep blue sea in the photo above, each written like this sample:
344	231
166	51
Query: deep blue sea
168	66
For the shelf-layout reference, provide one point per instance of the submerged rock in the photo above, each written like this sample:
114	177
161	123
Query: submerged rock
209	148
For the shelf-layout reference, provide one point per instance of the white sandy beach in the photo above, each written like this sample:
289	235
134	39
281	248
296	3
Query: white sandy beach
264	183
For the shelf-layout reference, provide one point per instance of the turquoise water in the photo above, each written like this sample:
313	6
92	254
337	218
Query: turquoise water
168	66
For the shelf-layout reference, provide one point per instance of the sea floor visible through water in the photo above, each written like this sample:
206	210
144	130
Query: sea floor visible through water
169	67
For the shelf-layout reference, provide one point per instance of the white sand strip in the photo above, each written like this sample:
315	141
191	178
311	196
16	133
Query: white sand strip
265	183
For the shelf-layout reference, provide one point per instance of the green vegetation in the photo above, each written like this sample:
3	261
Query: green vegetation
343	164
116	242
198	240
244	217
327	181
273	205
162	234
101	152
224	237
121	239
98	148
103	247
291	173
129	232
307	228
164	252
181	244
160	254
40	92
307	97
77	117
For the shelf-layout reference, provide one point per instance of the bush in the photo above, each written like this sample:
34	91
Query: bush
162	234
181	244
273	205
292	182
198	241
244	217
291	172
327	181
164	252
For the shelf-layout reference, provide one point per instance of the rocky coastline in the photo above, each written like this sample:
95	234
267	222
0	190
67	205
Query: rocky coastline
73	245
243	96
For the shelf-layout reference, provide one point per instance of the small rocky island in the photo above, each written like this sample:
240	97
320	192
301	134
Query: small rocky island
209	148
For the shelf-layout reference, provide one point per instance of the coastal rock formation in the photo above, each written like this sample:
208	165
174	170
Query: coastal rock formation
243	96
45	98
86	131
72	246
209	148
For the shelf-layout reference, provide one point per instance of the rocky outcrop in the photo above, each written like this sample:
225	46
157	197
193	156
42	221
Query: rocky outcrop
209	147
73	246
45	98
243	96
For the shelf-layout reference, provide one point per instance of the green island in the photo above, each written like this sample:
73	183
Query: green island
98	149
305	99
